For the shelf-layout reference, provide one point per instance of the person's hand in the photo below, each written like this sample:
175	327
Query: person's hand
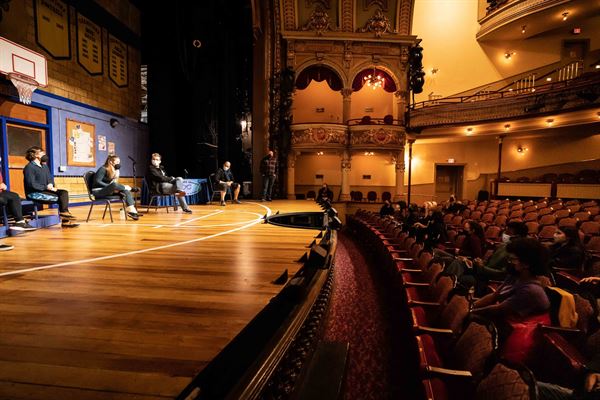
592	382
127	187
229	183
51	187
2	186
590	279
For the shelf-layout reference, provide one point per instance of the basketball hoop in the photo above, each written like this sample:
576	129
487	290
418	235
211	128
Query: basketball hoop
25	86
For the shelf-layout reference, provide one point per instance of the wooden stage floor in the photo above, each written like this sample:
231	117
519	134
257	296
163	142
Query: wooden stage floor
134	310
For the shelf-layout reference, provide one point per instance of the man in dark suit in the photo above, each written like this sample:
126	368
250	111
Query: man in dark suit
224	181
160	182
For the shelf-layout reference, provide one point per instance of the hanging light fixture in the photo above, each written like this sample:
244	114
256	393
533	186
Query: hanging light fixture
374	80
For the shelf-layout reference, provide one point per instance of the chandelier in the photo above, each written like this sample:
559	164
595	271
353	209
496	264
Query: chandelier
374	80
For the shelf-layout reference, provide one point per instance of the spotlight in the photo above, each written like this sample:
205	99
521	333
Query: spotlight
506	127
565	15
598	114
523	29
521	149
114	122
508	54
469	131
550	121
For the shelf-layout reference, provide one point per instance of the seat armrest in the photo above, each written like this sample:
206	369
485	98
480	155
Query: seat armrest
415	303
410	270
420	329
446	372
417	284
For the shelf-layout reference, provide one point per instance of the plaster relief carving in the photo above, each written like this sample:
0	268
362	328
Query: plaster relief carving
318	21
377	24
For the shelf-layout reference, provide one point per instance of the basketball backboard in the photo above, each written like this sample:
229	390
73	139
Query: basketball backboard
18	60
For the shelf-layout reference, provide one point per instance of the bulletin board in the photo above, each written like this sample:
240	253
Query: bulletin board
81	148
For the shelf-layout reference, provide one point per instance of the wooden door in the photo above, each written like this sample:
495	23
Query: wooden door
20	138
448	181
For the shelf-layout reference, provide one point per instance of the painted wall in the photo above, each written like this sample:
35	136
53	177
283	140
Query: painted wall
463	63
380	101
309	165
317	95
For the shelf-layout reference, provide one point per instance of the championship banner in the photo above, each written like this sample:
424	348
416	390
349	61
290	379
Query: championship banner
117	62
52	27
89	45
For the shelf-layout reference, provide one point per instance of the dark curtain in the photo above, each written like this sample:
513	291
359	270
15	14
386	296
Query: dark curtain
389	85
319	73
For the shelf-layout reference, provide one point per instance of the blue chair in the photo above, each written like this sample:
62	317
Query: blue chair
155	196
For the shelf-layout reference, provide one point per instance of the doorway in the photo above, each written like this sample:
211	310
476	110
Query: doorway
19	139
448	181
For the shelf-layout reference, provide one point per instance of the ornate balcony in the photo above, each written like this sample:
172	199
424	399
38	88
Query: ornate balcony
320	136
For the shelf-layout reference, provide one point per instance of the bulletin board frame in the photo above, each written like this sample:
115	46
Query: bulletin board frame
73	127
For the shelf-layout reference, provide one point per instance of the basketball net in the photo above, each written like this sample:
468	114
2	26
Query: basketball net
25	86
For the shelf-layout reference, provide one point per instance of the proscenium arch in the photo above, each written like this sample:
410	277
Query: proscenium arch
335	67
379	65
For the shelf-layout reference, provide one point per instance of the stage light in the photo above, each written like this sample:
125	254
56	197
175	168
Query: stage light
114	122
550	122
506	127
565	15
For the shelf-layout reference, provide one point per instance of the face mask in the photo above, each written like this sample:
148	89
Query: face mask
117	166
225	168
44	158
155	163
505	238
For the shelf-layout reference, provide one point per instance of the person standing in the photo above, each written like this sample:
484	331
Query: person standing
224	181
106	184
160	182
12	202
39	184
268	170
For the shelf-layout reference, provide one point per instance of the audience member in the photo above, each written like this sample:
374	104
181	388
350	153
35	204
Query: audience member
224	180
386	209
324	194
567	251
106	184
165	184
39	184
12	202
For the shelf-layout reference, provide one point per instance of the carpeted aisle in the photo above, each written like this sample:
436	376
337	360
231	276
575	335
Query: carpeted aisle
362	313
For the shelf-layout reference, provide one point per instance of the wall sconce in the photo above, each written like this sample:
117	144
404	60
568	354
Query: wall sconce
506	127
522	149
434	71
508	55
369	153
597	66
469	131
598	114
523	28
114	122
565	15
320	153
550	121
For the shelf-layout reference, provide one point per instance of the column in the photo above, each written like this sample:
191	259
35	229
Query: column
291	175
398	160
345	192
346	107
410	141
401	100
499	175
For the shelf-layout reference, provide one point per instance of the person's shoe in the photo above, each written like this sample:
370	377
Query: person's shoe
6	247
69	224
263	200
187	211
180	193
66	215
269	200
236	201
223	203
135	189
22	226
133	216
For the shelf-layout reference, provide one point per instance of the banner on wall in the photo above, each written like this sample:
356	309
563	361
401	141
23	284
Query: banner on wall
89	45
52	27
101	143
117	61
81	149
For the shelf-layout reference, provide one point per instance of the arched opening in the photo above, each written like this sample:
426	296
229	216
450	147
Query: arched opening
373	95
318	98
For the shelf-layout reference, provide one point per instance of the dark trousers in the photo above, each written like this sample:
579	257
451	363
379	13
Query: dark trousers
110	191
268	182
63	199
12	202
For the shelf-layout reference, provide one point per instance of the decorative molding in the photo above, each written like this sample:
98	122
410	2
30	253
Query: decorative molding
324	3
318	21
289	14
378	24
379	136
291	55
319	135
348	15
383	4
347	54
346	93
405	17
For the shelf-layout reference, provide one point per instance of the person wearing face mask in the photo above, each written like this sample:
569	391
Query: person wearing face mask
224	181
39	184
165	184
12	202
567	251
106	184
324	194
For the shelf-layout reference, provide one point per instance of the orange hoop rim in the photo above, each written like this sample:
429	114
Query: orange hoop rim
23	78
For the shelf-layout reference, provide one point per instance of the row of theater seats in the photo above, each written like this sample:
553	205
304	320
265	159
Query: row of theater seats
459	352
588	176
542	218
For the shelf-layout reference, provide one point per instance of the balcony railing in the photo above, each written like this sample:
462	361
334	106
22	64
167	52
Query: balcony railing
354	135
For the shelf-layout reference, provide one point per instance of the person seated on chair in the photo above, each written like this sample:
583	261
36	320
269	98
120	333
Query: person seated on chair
162	183
106	184
224	182
12	202
324	194
39	184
